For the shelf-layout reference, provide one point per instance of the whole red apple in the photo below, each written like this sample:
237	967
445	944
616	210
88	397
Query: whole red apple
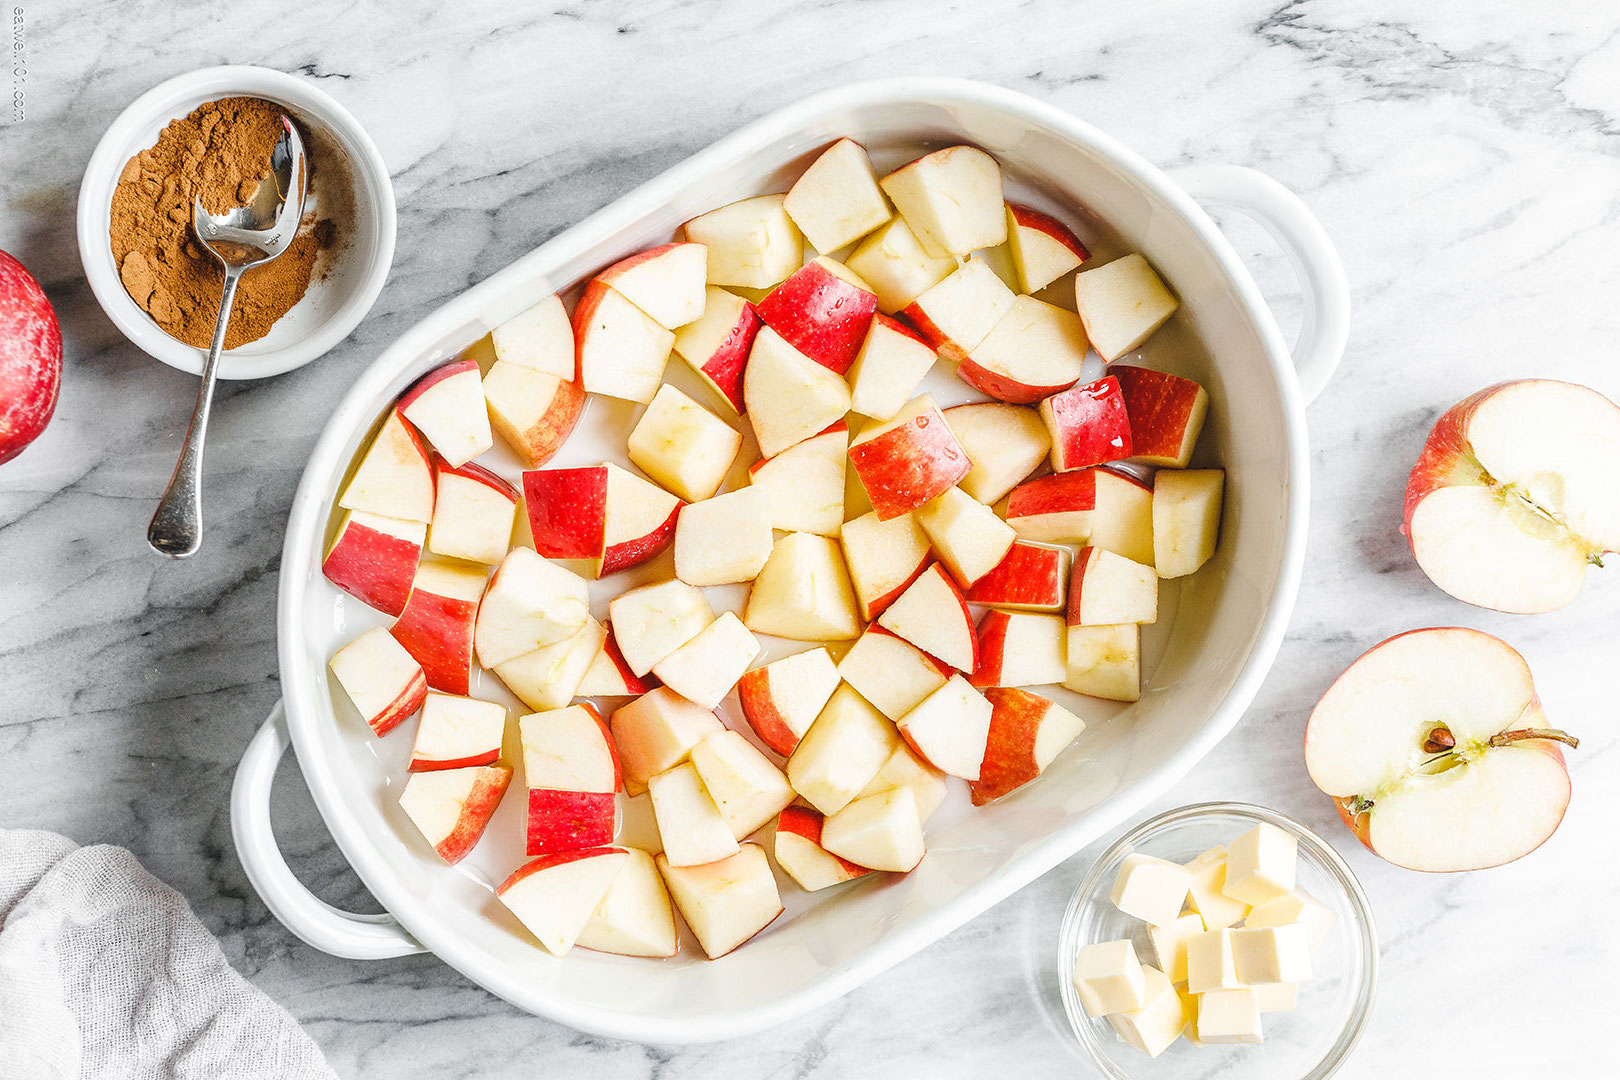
30	358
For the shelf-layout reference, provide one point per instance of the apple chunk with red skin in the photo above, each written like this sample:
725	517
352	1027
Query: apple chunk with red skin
383	680
1043	249
373	558
824	310
891	364
1027	731
716	345
610	676
1122	303
949	727
533	412
665	282
1088	425
395	475
604	514
1167	413
1032	577
572	771
472	514
884	558
457	733
635	917
904	462
1020	649
782	699
932	615
789	396
447	406
555	895
958	313
1034	351
453	807
437	624
621	349
1434	747
1514	495
656	732
800	854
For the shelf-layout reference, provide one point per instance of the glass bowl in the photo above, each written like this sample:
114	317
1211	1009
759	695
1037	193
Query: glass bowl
1309	1043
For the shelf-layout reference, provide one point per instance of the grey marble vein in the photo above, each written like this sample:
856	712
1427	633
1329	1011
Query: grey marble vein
1464	157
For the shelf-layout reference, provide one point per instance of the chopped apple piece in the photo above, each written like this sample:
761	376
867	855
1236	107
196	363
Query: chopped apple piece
436	626
968	537
932	615
1121	303
1088	425
1107	589
569	749
805	482
683	446
891	672
836	201
845	747
949	728
706	668
602	513
1123	519
724	540
789	396
451	808
1105	661
1004	444
666	282
958	313
373	558
548	677
1032	577
746	788
726	902
447	406
531	602
569	820
905	769
689	823
824	310
908	460
1027	732
610	676
654	620
656	732
539	339
622	350
897	268
951	198
635	917
799	852
1033	351
1055	508
1017	649
1186	519
1043	249
803	592
555	895
891	364
1167	413
884	558
395	476
472	514
881	832
716	345
384	682
751	242
457	733
532	412
782	699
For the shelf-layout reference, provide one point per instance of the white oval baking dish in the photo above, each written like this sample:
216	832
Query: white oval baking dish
1228	620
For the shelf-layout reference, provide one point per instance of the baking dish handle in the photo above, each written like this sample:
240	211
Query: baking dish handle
1326	325
341	933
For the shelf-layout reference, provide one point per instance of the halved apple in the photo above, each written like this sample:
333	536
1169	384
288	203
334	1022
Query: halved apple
1513	496
1437	753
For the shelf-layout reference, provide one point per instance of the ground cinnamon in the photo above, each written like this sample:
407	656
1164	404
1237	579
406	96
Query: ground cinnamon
218	154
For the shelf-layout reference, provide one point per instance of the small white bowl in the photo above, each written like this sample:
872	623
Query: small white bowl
354	269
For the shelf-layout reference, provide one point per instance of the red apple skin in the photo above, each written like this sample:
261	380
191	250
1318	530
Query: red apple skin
806	822
1092	425
759	709
474	471
30	358
568	820
373	567
1031	576
567	511
409	700
1060	493
475	813
633	684
638	550
438	632
1160	407
821	315
1009	753
432	378
1031	218
726	367
558	858
992	636
489	757
547	434
596	290
1004	387
908	465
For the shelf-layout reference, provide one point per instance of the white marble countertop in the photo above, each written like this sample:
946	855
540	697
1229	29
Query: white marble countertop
1467	164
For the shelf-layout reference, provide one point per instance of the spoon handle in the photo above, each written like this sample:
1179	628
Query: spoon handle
176	528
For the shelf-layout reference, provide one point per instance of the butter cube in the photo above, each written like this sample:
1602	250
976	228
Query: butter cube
1151	889
1260	865
1158	1022
1228	1016
1189	1012
1209	962
1207	876
1276	997
1170	945
1295	907
1108	977
1272	954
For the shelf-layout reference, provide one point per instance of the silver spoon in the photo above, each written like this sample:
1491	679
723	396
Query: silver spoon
242	238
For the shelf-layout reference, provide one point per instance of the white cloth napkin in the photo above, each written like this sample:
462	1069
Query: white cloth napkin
105	972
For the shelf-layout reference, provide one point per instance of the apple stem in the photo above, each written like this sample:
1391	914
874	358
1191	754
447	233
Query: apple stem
1596	559
1506	738
1439	740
